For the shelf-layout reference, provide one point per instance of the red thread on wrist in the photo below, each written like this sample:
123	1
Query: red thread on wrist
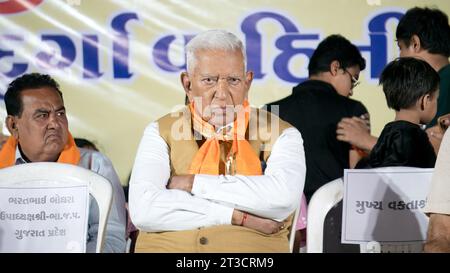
244	217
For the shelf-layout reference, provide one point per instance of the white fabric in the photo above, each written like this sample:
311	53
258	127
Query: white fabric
439	197
114	241
273	195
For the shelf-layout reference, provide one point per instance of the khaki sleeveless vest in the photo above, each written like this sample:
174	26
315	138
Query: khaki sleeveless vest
175	128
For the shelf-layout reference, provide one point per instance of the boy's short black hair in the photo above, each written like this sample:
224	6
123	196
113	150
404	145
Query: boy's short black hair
335	48
13	101
430	25
405	80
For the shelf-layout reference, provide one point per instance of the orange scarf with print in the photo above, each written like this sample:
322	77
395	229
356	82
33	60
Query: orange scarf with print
70	153
207	159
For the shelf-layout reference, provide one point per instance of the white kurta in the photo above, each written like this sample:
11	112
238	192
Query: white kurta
274	195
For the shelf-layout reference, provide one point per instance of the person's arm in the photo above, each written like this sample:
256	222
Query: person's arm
274	195
152	206
116	224
355	131
436	133
354	157
438	202
438	236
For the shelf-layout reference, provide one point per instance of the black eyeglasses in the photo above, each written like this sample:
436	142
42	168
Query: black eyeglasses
355	81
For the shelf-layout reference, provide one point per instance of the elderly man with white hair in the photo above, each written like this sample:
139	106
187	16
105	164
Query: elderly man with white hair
218	175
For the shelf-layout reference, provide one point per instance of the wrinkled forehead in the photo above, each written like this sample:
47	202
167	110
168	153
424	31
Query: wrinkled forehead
226	61
46	98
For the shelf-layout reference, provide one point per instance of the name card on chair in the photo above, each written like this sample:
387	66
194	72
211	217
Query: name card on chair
385	205
43	219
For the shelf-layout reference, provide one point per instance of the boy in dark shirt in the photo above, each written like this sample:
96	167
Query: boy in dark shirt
411	87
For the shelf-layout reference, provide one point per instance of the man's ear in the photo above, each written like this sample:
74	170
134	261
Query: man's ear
415	43
187	84
248	82
334	67
11	124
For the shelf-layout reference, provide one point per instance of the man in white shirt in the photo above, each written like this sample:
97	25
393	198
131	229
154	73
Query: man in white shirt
39	131
218	175
438	203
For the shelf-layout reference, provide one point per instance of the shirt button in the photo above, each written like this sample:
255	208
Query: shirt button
203	241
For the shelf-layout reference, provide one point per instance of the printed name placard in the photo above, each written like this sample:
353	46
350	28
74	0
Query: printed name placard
385	205
44	219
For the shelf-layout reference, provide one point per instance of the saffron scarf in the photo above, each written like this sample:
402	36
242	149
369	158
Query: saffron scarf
70	153
242	155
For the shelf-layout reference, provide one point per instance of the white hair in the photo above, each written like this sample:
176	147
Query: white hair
215	39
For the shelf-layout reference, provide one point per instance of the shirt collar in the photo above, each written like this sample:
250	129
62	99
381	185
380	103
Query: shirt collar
19	159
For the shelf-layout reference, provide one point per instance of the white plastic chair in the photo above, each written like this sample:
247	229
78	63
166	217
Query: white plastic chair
47	173
128	246
325	198
292	231
320	204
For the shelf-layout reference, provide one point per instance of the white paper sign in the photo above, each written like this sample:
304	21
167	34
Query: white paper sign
385	205
44	219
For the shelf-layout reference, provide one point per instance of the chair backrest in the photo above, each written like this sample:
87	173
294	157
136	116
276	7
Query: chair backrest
386	203
293	227
327	197
320	204
58	174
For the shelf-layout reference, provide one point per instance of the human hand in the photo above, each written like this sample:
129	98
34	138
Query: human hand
435	135
444	122
181	182
264	225
356	131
